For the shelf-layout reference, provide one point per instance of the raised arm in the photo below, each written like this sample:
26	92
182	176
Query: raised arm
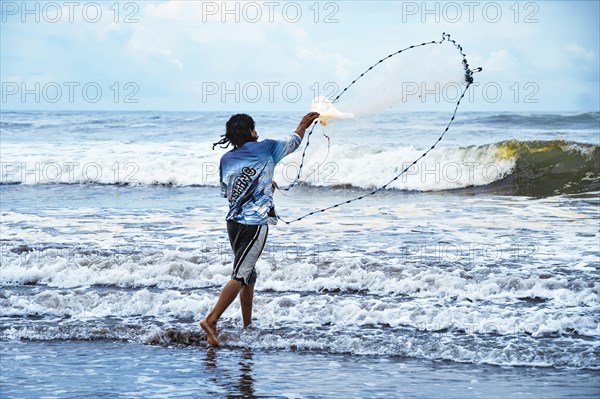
306	121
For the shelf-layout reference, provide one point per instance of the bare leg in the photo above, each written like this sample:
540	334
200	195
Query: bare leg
228	295
246	297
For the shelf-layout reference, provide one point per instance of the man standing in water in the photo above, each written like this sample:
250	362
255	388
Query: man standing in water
246	176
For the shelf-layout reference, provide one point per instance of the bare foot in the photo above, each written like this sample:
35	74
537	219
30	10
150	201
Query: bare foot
211	332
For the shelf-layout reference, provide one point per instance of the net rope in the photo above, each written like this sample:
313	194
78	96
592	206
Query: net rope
468	77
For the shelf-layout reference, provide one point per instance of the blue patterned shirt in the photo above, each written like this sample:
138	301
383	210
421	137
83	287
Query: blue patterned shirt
246	175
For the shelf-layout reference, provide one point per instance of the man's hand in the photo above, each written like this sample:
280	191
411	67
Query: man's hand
306	121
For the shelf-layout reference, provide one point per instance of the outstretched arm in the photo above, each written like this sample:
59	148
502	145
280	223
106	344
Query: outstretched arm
306	121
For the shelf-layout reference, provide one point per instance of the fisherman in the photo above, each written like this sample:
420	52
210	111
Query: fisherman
246	177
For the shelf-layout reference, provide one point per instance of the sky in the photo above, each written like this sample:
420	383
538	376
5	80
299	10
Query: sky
276	56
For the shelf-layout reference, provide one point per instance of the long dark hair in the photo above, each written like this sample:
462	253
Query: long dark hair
238	131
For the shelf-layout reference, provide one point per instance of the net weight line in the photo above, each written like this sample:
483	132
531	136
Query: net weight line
468	80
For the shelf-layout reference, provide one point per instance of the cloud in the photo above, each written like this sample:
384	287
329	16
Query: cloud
308	54
342	65
500	61
579	52
146	45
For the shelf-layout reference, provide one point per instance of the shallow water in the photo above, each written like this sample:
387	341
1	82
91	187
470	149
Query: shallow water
107	369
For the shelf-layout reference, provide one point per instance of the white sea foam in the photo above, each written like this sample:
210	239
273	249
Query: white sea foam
379	302
184	164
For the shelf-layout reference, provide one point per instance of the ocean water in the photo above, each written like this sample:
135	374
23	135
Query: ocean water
475	274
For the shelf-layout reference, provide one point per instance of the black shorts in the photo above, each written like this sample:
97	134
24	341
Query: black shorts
247	242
